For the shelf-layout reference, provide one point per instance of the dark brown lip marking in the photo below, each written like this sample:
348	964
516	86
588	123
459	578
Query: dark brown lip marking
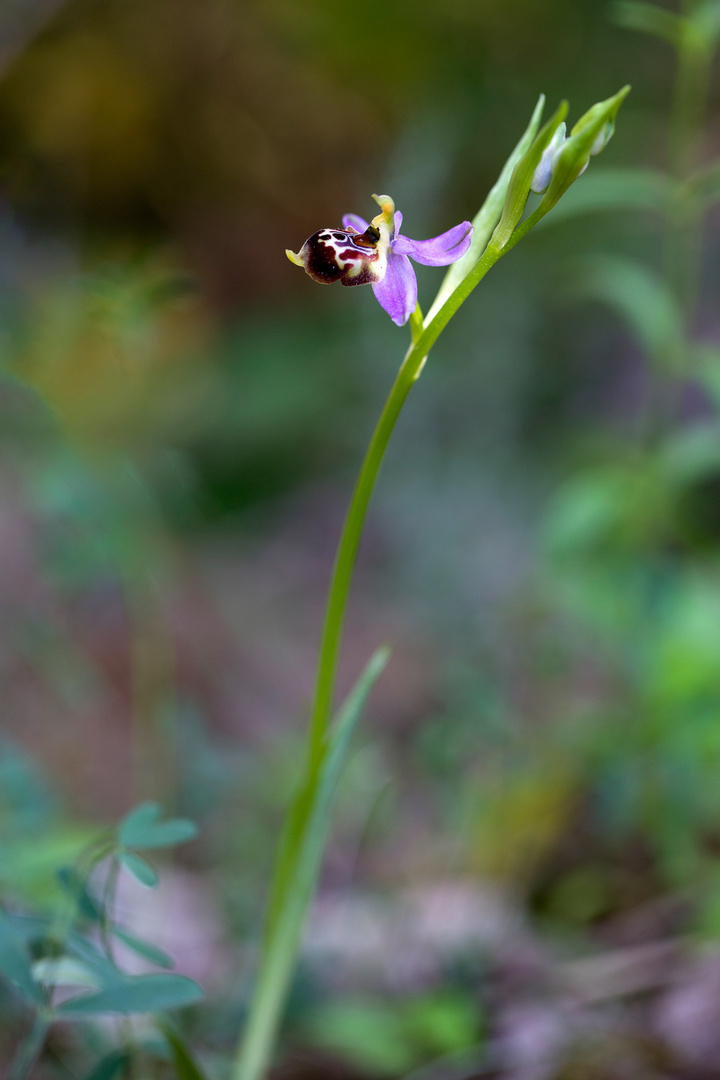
325	251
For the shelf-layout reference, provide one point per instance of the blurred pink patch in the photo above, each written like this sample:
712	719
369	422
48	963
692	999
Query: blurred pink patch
179	917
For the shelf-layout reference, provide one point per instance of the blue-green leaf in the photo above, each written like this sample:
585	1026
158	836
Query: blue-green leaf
141	829
103	968
15	962
144	948
139	868
136	994
136	821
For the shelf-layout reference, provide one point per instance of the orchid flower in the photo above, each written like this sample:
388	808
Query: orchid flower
376	254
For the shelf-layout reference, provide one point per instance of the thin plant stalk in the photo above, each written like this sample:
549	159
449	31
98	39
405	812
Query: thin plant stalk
408	374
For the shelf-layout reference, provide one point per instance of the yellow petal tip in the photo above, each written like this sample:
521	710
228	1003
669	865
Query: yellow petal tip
387	206
294	258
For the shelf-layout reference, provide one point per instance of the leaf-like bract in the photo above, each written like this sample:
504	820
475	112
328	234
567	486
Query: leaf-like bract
136	994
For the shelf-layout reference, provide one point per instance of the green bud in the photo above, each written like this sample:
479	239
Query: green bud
522	178
588	137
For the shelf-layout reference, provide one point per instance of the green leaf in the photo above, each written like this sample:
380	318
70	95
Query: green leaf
185	1064
650	20
110	1066
615	189
309	815
139	868
141	817
642	298
15	962
370	1034
136	994
141	830
143	948
487	216
96	961
298	864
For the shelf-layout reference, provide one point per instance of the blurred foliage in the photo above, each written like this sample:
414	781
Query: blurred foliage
391	1037
179	424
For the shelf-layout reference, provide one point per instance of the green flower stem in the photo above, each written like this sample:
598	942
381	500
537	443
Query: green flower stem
347	551
409	372
416	323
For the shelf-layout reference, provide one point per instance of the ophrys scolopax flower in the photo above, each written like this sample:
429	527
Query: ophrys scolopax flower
376	254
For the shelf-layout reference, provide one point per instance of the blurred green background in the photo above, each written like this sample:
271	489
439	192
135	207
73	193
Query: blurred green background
182	413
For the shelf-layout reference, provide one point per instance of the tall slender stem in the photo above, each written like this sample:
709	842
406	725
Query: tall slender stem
409	371
347	550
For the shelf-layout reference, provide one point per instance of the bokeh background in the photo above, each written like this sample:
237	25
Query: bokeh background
524	877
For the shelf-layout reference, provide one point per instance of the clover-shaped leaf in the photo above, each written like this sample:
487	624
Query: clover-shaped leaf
141	829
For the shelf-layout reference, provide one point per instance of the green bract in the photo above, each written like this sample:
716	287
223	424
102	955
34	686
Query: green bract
588	137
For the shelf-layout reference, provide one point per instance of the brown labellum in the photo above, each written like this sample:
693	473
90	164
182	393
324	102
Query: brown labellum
341	255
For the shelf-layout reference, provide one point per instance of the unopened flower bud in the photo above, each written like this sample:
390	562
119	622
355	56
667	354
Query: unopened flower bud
543	174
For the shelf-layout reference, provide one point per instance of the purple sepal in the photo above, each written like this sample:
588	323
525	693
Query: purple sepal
354	221
440	250
397	292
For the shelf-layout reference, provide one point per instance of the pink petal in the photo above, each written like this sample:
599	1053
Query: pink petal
397	222
354	221
440	250
397	292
